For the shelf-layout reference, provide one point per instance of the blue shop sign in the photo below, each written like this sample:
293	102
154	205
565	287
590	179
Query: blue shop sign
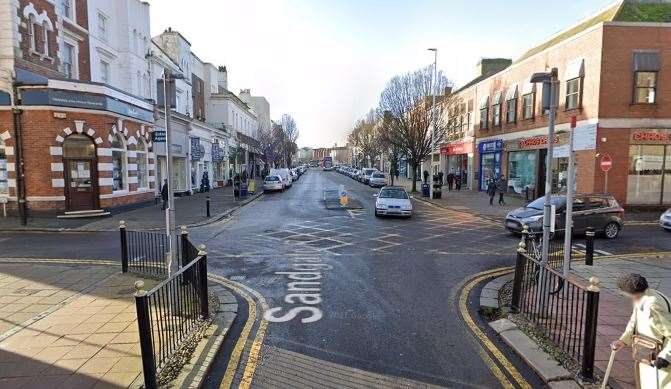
492	146
62	98
197	150
217	152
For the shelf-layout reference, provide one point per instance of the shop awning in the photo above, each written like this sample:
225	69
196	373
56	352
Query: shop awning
575	69
529	87
484	102
497	98
646	62
511	94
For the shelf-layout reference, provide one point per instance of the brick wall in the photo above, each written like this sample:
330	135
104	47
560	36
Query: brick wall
30	60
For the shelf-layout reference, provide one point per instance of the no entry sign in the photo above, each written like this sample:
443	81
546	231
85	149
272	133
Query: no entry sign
606	163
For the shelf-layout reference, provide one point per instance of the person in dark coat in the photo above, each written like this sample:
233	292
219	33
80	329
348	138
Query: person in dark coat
450	180
501	187
164	194
457	182
426	176
491	190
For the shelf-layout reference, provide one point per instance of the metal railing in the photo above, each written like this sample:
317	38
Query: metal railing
170	313
555	254
561	309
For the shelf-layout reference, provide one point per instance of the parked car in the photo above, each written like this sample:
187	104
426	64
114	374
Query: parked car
294	175
273	183
377	180
665	220
364	176
601	212
285	175
393	201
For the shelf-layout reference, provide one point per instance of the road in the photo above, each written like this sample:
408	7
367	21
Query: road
382	306
376	303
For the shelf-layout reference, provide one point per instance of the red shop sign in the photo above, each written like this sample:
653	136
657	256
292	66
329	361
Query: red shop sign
536	141
651	136
457	148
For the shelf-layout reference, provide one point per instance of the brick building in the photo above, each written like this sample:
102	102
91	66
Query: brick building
67	144
612	68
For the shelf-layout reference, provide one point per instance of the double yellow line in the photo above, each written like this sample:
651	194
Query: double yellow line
251	297
486	342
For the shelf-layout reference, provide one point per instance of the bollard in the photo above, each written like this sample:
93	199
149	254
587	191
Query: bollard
589	342
124	246
145	332
520	266
202	273
184	236
589	246
207	206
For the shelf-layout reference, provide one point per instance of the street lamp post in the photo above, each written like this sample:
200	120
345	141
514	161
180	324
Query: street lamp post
568	232
434	82
550	96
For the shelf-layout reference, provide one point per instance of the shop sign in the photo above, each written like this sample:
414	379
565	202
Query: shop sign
457	148
536	142
217	152
584	138
197	150
158	136
651	136
491	146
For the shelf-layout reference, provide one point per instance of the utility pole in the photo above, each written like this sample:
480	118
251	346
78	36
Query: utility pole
550	96
568	233
168	86
434	82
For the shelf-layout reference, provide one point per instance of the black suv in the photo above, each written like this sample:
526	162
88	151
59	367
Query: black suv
602	212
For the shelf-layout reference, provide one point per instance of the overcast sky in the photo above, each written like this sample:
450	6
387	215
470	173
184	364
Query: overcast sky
326	62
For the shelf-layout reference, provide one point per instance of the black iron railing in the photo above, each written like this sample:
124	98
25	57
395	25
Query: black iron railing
555	254
562	309
170	313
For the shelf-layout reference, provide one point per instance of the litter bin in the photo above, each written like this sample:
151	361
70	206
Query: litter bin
243	189
425	190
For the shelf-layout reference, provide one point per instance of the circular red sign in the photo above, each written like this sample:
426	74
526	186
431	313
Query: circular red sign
606	163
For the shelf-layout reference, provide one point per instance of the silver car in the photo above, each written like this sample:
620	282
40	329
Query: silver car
665	220
377	180
273	183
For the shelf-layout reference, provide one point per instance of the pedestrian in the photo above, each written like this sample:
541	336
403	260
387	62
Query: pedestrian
164	194
457	182
491	190
426	176
648	332
440	178
450	180
501	186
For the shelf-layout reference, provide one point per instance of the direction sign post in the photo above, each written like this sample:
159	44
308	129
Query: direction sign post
606	164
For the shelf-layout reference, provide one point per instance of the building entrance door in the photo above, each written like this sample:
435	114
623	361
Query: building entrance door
80	173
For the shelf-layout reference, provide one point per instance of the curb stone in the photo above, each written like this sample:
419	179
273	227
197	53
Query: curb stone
192	375
489	296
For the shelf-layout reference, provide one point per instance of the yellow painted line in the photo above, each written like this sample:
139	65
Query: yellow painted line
491	347
63	261
252	360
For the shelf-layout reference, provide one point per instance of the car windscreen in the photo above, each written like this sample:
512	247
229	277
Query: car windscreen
392	193
540	202
368	171
378	175
272	178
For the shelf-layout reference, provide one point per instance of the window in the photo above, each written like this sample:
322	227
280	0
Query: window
528	106
138	81
105	75
69	60
31	33
66	9
496	110
141	159
511	111
4	179
573	93
645	89
103	26
45	40
119	166
484	113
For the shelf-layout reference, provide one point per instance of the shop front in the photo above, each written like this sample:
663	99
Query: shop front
526	166
490	160
649	167
458	159
219	158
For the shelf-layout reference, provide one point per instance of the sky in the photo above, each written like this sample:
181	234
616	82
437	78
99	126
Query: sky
326	62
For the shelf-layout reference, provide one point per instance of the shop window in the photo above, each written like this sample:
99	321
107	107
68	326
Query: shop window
573	93
141	160
522	172
645	90
646	173
119	164
4	179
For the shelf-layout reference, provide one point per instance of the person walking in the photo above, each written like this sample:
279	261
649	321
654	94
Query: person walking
648	332
457	182
501	186
491	190
450	180
164	194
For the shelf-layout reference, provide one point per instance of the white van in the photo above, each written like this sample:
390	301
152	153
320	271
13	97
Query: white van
284	173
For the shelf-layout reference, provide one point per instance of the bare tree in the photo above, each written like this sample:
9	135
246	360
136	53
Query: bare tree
414	124
290	137
271	142
366	137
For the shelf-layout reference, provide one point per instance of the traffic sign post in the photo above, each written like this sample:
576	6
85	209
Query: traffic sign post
606	164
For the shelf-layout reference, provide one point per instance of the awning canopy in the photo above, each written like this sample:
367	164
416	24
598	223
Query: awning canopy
511	94
646	62
575	69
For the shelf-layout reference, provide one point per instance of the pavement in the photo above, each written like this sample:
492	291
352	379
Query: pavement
189	210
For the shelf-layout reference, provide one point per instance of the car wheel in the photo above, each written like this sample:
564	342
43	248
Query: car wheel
612	230
377	214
